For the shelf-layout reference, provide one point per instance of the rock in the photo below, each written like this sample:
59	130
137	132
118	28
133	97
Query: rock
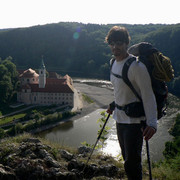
51	162
108	170
74	164
33	160
84	150
43	153
39	170
6	173
55	172
71	176
66	155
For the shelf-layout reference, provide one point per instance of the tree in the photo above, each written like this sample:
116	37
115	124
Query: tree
8	80
3	71
104	69
11	67
6	89
2	133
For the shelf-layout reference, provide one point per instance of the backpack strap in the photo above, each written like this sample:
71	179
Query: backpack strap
111	64
126	79
125	75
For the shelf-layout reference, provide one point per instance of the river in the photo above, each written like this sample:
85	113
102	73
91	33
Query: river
73	133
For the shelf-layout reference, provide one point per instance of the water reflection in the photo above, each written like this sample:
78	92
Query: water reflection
65	126
76	132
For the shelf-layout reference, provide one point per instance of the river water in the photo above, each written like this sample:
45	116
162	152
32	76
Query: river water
73	133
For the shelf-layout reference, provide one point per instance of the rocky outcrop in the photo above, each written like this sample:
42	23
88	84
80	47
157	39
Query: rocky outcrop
32	160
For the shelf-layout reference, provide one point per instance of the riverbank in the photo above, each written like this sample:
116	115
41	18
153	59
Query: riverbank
81	106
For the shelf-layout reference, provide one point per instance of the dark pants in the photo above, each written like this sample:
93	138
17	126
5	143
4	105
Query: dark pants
131	139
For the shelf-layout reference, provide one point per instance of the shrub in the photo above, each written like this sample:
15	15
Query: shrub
2	133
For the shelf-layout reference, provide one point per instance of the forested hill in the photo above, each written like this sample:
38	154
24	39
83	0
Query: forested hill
79	49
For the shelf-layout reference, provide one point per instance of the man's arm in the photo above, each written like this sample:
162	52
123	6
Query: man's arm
143	81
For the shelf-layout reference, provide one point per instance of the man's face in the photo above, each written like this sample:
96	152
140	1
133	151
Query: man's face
118	48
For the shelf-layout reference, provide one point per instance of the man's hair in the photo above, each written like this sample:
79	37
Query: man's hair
118	33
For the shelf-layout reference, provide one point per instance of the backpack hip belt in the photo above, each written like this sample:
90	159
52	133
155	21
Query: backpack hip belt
134	109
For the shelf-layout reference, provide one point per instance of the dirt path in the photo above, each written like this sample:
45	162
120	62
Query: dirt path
101	96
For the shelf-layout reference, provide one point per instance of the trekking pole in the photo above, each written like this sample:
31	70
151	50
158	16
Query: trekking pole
97	141
147	150
148	158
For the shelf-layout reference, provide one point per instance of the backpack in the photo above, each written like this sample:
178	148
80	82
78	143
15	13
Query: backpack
160	71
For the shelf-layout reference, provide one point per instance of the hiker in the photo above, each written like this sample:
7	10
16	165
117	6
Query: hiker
130	130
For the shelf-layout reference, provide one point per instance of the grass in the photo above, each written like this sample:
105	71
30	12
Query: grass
6	109
87	99
11	118
165	172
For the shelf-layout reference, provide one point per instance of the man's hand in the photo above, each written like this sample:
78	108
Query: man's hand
111	108
148	132
109	111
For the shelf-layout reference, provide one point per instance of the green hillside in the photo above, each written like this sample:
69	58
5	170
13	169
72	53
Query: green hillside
79	49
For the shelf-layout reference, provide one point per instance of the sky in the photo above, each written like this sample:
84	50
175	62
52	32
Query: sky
26	13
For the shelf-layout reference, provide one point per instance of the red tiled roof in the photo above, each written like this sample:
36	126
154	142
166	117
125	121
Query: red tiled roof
54	75
49	88
54	84
52	88
29	73
55	81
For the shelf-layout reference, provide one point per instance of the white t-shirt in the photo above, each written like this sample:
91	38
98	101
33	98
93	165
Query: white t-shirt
140	79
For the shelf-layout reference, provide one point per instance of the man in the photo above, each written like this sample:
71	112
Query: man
129	129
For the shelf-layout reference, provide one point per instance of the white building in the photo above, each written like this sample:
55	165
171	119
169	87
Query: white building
38	89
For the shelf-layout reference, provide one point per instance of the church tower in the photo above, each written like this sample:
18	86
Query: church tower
42	75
